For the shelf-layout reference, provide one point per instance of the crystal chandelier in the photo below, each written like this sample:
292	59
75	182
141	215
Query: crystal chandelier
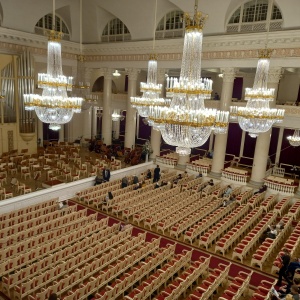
54	106
187	123
117	115
257	116
295	139
81	87
116	73
151	91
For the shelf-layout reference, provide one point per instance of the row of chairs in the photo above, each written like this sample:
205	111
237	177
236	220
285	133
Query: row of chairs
268	247
230	238
206	206
64	261
252	238
223	225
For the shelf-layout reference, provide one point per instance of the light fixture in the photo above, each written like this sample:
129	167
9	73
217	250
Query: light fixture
117	115
116	73
221	75
257	116
54	106
187	123
295	139
151	90
81	87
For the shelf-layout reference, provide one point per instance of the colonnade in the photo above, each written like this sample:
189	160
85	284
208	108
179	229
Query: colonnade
220	141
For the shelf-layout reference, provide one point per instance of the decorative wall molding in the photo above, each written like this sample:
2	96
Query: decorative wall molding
286	44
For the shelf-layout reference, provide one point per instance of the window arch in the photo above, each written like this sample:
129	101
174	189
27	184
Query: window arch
254	16
170	26
115	31
45	23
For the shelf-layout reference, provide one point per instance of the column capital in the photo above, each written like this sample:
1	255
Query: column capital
106	72
275	74
132	73
229	74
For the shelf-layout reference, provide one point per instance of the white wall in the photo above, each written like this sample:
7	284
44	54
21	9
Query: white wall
288	88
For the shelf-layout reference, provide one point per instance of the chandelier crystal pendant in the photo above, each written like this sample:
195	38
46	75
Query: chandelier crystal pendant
295	139
187	123
54	106
151	91
257	116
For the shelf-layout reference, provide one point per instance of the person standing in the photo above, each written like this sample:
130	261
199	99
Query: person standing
285	259
106	174
156	174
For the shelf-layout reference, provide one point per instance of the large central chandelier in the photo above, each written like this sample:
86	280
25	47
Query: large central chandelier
54	106
187	123
257	116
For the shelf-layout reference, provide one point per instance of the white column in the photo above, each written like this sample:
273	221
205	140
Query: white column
263	140
116	129
221	139
155	143
211	141
62	133
155	139
260	158
106	117
94	121
130	126
87	123
279	144
242	143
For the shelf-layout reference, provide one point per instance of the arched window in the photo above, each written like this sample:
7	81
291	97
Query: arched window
45	23
170	26
253	16
115	31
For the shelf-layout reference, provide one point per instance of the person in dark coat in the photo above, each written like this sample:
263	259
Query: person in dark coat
106	174
285	259
156	174
149	175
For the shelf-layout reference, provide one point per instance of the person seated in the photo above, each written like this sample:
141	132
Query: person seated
199	175
227	192
98	180
262	189
272	234
14	182
148	175
211	182
284	290
108	197
63	205
137	186
157	185
176	180
124	182
293	266
280	225
135	179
